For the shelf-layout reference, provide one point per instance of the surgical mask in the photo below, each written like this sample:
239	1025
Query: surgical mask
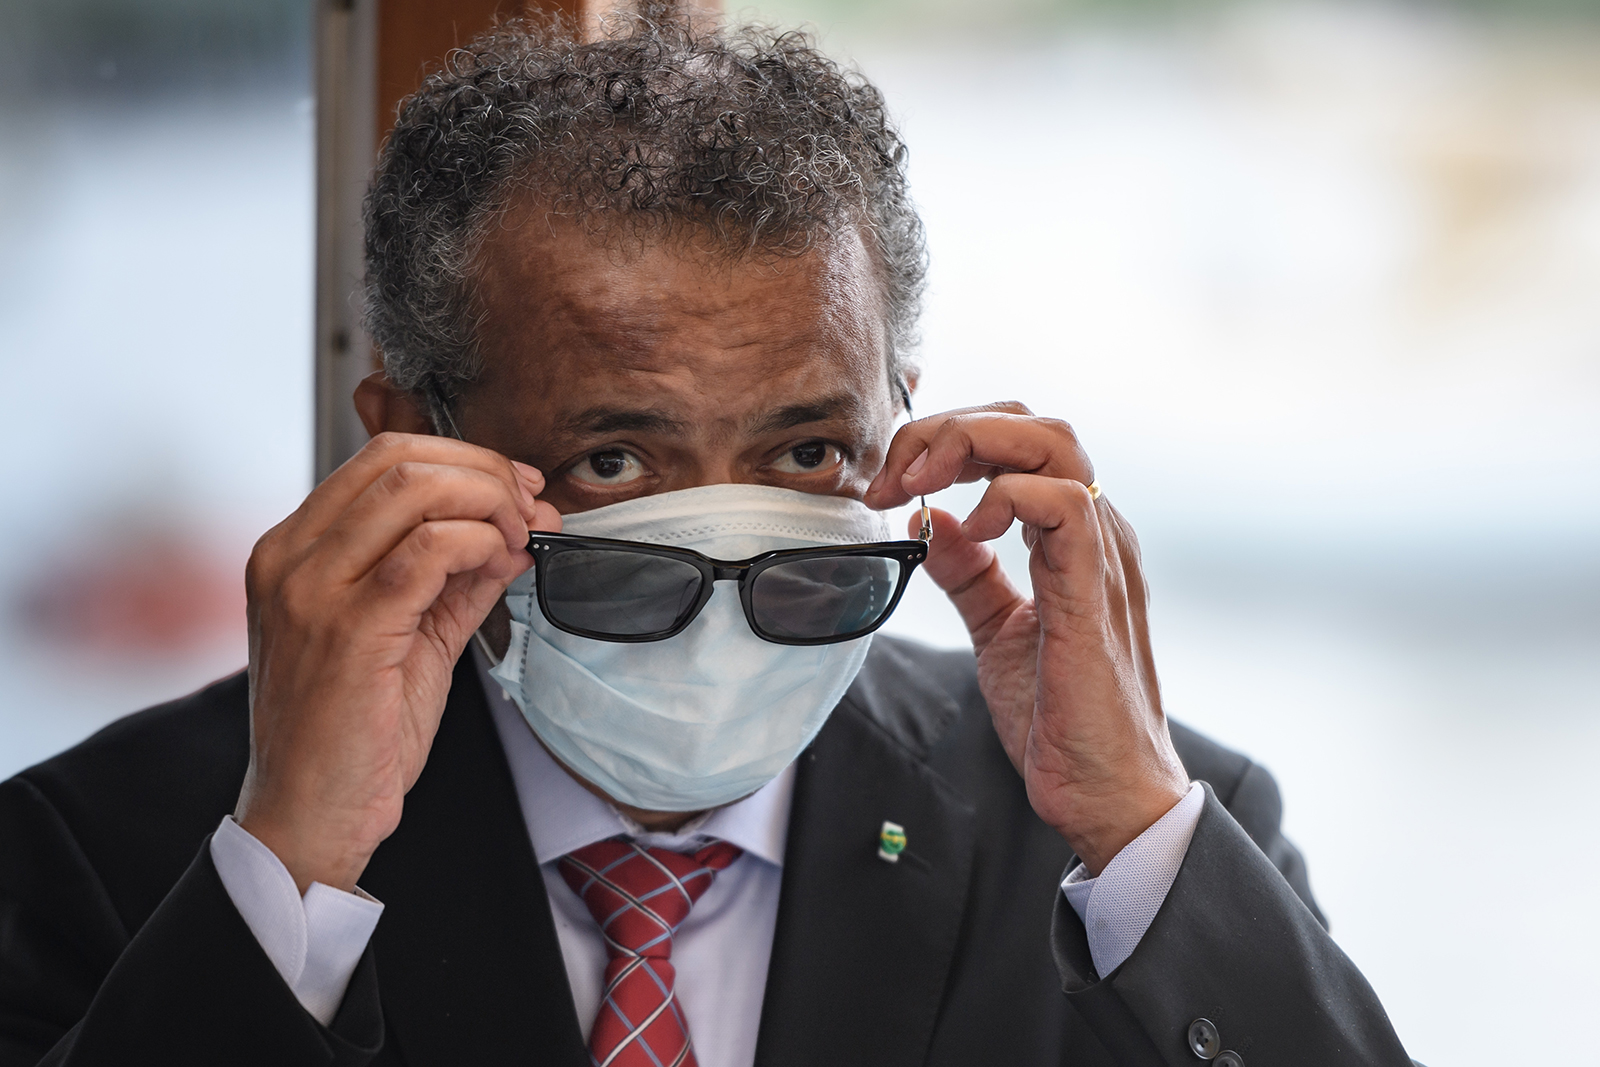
710	715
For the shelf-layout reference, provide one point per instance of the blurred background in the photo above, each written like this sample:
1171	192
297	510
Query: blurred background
1318	284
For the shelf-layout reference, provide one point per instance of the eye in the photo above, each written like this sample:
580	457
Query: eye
611	466
808	458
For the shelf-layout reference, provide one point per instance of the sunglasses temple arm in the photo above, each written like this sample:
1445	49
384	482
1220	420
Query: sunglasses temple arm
927	522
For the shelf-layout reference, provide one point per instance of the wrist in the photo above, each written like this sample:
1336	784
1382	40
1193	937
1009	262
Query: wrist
1099	834
307	859
312	846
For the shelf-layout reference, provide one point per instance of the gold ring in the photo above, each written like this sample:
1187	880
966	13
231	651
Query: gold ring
1094	490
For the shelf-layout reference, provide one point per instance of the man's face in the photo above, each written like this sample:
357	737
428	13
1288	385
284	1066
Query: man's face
621	373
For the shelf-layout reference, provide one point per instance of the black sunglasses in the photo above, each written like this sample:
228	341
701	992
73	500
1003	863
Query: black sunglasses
614	590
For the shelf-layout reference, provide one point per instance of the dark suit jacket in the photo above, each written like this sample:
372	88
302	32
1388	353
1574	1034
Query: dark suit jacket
118	944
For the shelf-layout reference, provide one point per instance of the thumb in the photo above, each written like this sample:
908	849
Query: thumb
970	574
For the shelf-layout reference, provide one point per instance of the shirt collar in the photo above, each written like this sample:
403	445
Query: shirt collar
562	815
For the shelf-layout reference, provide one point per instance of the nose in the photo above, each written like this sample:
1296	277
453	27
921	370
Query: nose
715	470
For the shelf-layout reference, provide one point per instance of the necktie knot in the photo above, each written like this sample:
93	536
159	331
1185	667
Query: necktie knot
639	896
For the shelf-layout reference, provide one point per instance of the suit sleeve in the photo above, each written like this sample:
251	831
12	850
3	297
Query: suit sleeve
190	986
1236	945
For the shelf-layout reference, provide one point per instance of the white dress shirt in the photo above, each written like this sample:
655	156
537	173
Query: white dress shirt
722	950
1118	906
314	941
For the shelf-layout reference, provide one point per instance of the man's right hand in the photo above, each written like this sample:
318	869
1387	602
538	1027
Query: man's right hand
360	603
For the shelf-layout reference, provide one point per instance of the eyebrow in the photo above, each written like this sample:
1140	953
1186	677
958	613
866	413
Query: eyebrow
604	420
609	420
792	415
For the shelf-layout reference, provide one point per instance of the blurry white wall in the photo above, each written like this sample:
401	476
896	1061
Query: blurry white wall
155	330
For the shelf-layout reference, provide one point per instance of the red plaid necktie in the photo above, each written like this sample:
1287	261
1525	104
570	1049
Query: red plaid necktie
639	896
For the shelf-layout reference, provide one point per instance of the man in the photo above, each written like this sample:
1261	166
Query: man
657	292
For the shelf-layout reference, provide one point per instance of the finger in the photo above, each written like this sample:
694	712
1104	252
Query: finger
971	576
1136	589
407	581
404	497
461	608
330	499
1024	444
970	445
545	518
1061	508
531	478
1117	531
910	441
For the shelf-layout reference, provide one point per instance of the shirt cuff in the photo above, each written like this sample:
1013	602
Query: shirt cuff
1119	906
314	941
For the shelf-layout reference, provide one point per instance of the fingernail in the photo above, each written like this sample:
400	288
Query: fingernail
917	464
529	482
531	475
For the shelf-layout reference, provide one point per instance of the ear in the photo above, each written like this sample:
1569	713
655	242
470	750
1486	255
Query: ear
383	407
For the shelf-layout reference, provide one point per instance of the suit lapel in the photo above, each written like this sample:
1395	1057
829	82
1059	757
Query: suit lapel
863	946
470	970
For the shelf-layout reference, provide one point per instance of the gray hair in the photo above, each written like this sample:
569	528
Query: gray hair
751	136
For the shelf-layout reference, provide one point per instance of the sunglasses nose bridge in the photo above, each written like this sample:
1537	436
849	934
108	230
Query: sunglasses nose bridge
728	572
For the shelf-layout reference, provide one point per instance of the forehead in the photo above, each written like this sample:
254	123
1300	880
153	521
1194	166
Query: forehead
579	317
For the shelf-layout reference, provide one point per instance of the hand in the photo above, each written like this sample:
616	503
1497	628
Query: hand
359	605
1068	674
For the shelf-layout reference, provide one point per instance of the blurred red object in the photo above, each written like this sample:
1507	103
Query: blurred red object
156	594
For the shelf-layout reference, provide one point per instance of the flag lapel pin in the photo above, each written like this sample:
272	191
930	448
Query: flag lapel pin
891	842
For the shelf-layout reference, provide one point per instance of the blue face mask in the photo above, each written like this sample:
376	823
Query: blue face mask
713	714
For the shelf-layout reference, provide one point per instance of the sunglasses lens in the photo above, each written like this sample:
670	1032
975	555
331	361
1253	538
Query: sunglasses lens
828	596
621	594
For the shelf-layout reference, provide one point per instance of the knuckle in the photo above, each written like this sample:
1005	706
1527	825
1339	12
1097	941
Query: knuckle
907	434
295	602
1059	426
1008	483
426	539
264	550
1082	500
405	475
387	444
269	558
257	570
956	428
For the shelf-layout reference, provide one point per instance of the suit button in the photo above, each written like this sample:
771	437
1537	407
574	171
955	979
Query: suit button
1229	1058
1204	1041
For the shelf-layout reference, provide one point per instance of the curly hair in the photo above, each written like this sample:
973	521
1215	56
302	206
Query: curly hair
750	136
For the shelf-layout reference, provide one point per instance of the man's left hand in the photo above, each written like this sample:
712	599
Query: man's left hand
1068	673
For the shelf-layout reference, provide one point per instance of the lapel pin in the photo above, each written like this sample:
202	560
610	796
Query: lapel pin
891	842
